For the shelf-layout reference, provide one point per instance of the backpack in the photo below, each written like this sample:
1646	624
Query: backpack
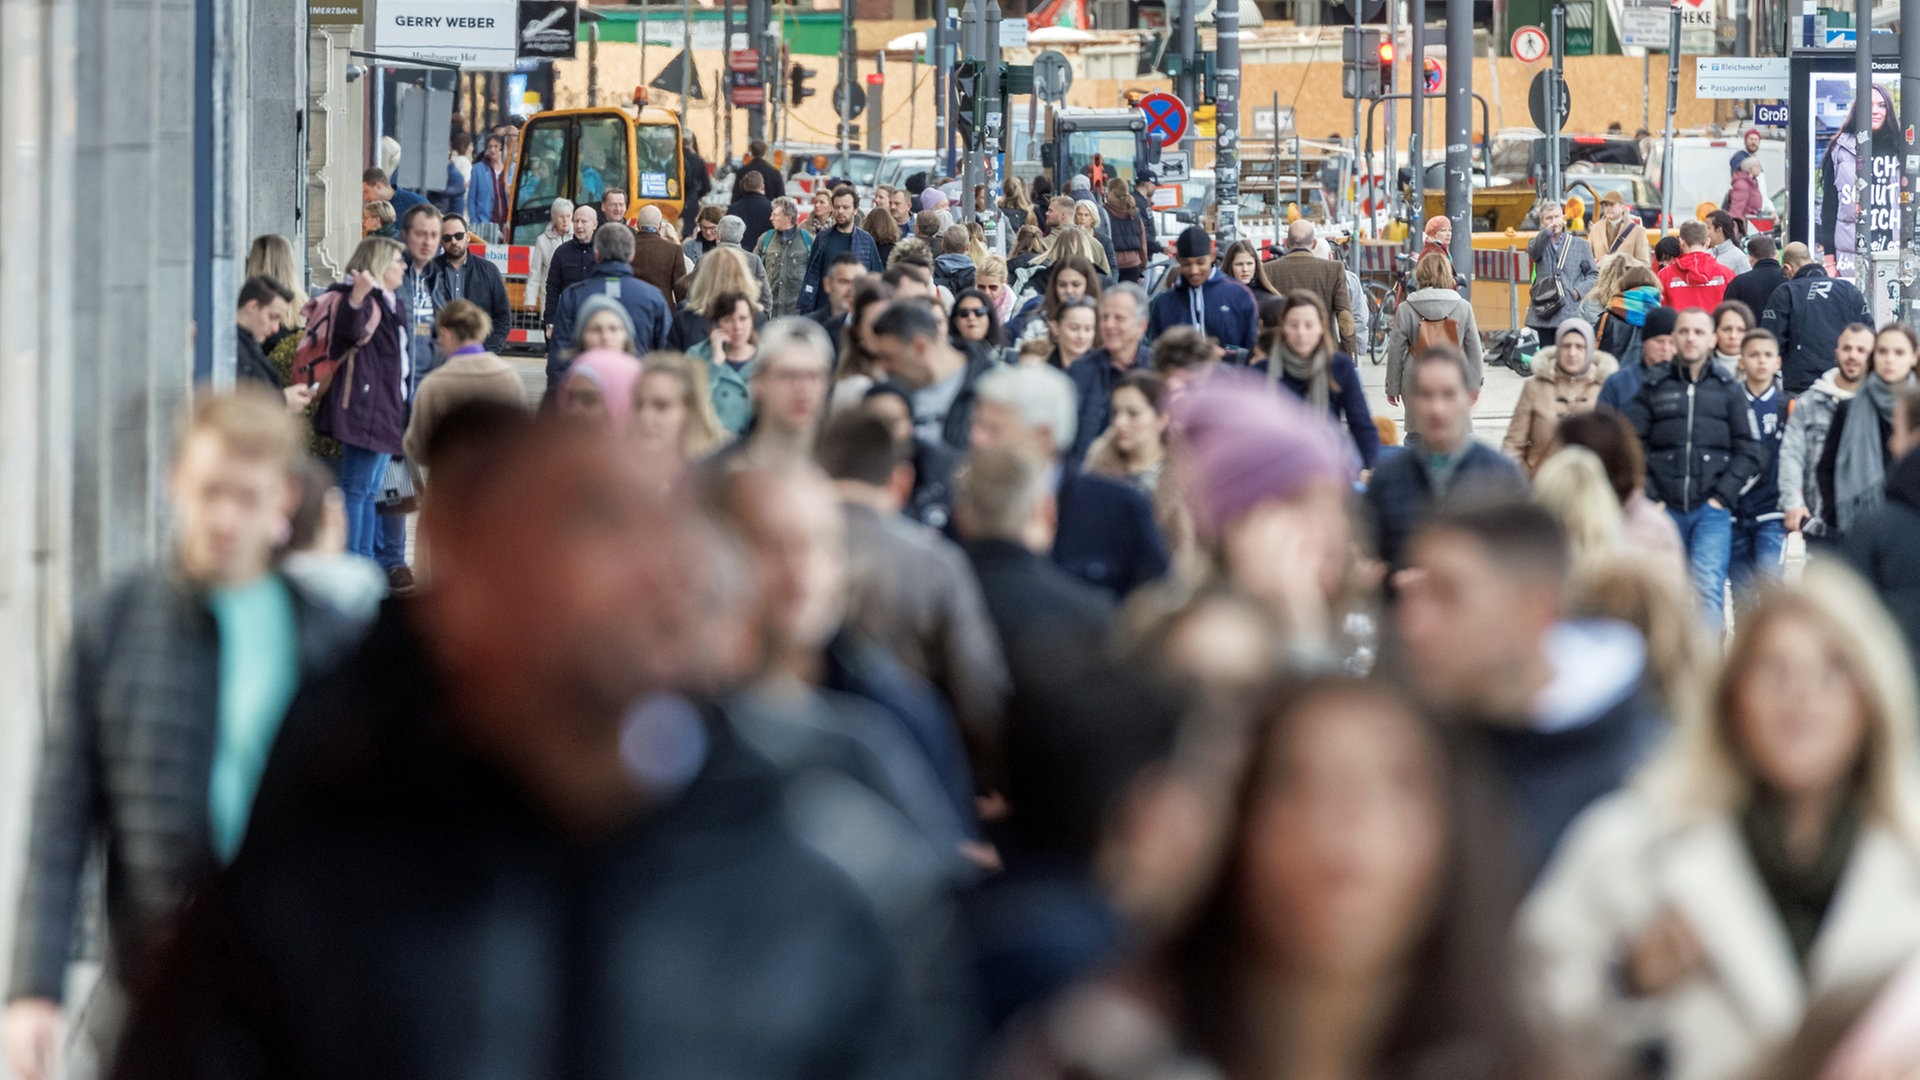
1434	332
314	361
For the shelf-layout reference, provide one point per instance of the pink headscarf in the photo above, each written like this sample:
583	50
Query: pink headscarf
1249	443
614	373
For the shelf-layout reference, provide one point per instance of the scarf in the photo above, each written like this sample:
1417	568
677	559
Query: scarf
1311	370
1801	892
1860	466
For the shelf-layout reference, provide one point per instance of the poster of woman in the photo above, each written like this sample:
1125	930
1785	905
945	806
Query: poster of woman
1839	219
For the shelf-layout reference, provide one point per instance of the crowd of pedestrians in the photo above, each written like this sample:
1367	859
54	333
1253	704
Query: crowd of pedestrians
858	664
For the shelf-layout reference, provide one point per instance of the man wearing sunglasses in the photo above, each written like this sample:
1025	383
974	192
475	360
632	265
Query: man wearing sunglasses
474	279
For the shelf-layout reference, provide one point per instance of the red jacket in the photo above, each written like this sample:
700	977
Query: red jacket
1695	280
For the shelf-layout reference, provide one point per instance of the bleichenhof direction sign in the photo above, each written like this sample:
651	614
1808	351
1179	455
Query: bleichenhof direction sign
1736	78
478	35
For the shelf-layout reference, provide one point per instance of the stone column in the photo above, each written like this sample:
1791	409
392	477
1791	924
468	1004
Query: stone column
336	115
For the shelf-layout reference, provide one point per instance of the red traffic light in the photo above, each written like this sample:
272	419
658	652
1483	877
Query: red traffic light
1386	52
875	78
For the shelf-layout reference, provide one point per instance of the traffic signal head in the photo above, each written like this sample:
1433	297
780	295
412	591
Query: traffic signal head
1364	54
966	99
801	91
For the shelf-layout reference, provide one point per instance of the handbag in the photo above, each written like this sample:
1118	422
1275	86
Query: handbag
1547	294
399	489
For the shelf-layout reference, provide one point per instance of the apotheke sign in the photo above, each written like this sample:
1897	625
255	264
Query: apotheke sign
478	35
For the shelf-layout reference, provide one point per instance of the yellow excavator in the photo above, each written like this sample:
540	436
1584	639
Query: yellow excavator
577	154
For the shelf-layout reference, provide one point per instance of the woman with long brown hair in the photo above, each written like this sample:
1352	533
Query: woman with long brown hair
1129	232
859	366
1308	364
1242	264
1356	927
885	230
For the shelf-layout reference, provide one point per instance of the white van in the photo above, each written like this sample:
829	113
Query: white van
1702	172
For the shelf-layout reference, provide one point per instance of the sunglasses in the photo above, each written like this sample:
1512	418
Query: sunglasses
444	237
971	312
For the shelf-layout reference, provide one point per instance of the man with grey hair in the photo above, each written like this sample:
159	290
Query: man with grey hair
789	393
657	260
730	232
559	228
783	251
1008	515
1300	269
1122	325
912	347
612	276
1106	533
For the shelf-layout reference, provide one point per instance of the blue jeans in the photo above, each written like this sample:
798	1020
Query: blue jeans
1707	532
1758	549
390	543
361	471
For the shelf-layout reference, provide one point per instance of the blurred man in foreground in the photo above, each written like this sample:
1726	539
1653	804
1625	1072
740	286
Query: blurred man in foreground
174	687
494	840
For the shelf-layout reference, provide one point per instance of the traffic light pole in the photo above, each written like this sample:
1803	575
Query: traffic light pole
1351	190
1187	32
1417	126
756	38
991	93
1226	124
1460	132
1387	71
848	69
1673	106
936	58
875	91
1863	148
973	43
1909	118
1556	86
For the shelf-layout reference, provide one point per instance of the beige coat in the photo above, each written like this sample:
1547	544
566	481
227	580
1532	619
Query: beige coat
1546	399
1636	247
462	379
1626	860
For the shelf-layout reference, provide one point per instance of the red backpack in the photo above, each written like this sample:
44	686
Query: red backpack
314	361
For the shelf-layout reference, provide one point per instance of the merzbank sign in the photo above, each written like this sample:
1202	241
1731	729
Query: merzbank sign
478	35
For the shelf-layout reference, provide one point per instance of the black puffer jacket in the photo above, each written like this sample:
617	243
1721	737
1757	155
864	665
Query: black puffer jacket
1698	440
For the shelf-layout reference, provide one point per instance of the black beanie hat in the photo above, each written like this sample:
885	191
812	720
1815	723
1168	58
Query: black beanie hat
1660	322
1194	242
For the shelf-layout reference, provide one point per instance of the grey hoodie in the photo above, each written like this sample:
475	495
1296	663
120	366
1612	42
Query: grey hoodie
1805	438
1422	306
1730	256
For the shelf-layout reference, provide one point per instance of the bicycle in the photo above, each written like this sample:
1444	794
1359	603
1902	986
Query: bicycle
1383	301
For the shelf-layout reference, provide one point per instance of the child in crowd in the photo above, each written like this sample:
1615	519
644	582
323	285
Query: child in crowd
1759	537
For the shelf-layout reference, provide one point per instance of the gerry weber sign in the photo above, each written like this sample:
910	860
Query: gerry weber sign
478	35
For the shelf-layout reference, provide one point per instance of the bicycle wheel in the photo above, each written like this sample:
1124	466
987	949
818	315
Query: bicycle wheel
1381	305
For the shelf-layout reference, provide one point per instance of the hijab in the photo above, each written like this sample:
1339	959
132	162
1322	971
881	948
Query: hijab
615	373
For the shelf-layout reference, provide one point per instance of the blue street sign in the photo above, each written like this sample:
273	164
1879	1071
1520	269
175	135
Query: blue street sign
1770	115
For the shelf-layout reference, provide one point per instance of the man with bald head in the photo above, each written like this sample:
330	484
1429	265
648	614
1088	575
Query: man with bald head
657	260
505	765
1300	269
